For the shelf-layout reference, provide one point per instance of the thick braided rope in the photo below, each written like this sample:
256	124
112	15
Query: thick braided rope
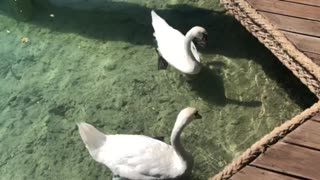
307	71
259	147
303	67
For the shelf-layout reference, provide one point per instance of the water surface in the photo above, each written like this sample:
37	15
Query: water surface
100	66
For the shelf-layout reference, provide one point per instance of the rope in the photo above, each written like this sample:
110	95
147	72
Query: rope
301	66
259	147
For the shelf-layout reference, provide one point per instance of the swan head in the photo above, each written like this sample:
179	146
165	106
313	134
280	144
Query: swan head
188	114
200	36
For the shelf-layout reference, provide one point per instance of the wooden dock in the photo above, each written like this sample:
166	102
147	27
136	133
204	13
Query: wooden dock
290	29
297	156
298	20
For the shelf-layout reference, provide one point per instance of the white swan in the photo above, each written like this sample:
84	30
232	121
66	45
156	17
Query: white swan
139	157
175	48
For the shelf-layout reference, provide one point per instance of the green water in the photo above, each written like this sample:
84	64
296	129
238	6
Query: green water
101	67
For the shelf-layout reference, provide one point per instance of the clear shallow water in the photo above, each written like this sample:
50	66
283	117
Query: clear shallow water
101	67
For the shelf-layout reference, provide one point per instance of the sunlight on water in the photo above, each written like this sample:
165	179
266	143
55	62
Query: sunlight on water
100	66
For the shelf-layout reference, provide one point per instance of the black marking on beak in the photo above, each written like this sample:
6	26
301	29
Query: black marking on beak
197	115
203	42
205	39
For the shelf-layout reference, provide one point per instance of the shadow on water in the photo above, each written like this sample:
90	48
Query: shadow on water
210	86
226	37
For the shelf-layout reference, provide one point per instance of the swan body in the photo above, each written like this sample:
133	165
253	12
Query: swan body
139	157
175	48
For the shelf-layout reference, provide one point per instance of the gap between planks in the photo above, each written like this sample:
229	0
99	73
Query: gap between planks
292	24
316	117
287	8
305	2
306	135
289	159
253	173
313	56
304	43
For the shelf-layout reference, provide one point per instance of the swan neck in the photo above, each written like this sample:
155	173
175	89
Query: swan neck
187	44
175	139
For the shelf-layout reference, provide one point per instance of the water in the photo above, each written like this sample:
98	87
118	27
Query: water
100	66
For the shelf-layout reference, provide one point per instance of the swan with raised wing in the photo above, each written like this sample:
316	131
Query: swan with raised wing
176	49
139	157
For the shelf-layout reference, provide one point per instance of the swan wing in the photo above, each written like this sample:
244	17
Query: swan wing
171	43
139	157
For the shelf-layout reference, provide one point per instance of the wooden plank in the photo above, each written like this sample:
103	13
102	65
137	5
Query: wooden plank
291	159
314	57
316	117
287	8
306	135
303	42
293	24
253	173
307	2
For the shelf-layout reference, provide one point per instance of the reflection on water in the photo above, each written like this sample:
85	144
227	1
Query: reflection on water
101	67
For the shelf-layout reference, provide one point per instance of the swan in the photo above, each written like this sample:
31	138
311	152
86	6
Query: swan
139	157
176	49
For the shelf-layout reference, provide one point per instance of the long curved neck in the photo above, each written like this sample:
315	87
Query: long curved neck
175	140
187	44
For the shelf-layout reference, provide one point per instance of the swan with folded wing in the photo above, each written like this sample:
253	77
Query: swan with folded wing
177	49
139	157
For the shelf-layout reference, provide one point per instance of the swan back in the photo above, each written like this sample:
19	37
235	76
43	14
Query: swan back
135	157
171	46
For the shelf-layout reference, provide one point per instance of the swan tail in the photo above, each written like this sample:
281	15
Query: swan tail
158	23
92	138
154	15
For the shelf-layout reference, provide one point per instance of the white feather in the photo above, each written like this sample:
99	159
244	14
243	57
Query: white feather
171	45
139	157
136	156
